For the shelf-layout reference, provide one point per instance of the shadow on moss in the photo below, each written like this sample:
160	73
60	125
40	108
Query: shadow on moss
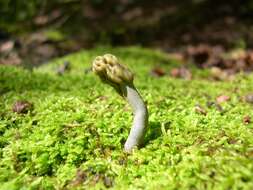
154	132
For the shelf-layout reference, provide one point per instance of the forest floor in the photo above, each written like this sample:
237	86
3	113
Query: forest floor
61	128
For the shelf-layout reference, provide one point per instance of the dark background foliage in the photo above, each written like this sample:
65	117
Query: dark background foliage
166	23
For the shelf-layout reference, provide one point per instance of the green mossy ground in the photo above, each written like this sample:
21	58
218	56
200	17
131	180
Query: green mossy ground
74	136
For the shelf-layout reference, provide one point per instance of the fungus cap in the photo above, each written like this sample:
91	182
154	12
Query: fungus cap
108	68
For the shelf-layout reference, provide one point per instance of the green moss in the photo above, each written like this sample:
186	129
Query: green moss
79	125
54	35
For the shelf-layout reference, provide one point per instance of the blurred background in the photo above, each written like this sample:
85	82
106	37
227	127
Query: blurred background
33	32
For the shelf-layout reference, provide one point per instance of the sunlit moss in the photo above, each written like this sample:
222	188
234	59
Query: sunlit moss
78	127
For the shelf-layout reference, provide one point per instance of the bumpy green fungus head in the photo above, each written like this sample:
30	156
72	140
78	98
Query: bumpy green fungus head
107	67
110	71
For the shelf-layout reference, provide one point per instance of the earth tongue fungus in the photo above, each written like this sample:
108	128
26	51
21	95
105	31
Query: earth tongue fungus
110	71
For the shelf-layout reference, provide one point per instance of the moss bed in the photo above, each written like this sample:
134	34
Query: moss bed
74	135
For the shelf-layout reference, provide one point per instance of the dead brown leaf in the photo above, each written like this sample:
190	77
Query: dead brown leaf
249	98
157	72
11	59
219	74
219	107
177	56
81	177
46	51
223	64
22	107
6	46
246	119
199	109
41	20
181	72
198	54
232	140
222	98
237	54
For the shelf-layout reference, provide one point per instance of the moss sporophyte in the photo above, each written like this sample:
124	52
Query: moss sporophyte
111	72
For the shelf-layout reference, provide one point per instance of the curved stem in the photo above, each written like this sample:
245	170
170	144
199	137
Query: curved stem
110	71
140	120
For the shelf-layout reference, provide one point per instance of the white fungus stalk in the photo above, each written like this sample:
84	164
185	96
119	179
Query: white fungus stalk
110	71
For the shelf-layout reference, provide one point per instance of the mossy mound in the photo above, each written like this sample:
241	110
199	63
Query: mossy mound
74	135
